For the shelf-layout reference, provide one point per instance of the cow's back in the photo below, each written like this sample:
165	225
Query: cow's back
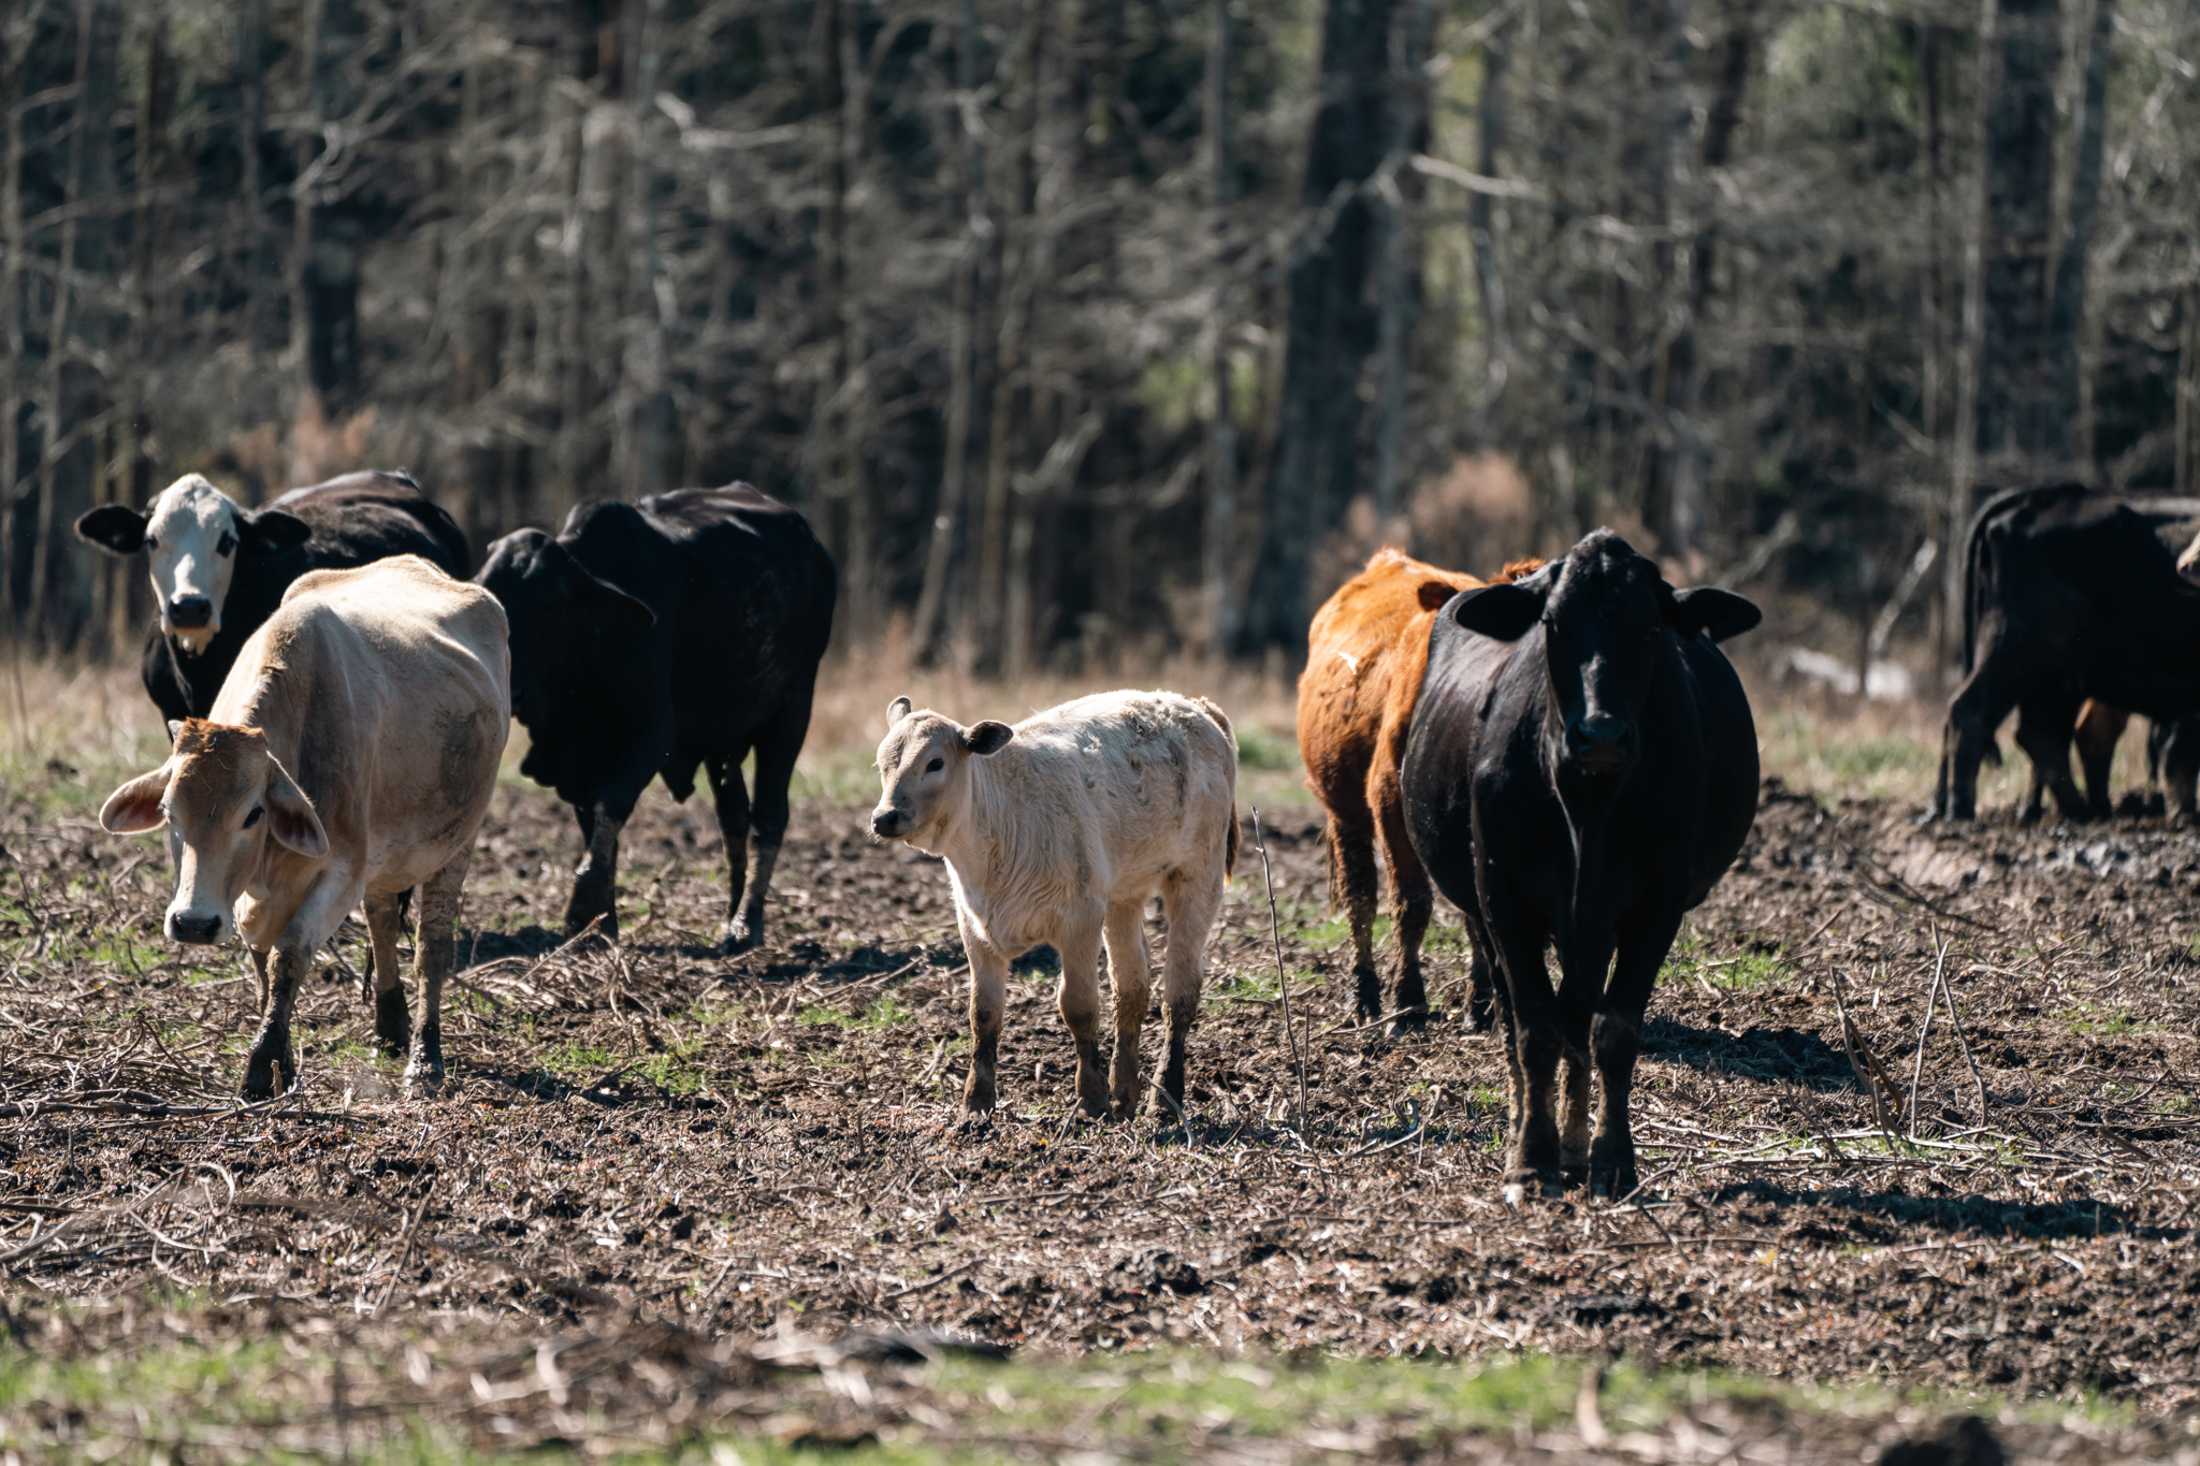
396	680
357	518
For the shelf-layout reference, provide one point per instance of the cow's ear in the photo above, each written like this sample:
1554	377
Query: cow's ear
116	528
175	729
291	818
1500	612
987	737
275	530
626	613
898	709
1719	614
135	807
1433	594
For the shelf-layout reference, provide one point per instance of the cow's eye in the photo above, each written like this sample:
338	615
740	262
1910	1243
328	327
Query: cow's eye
226	544
253	818
152	542
935	766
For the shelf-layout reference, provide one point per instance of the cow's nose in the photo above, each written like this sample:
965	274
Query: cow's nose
886	822
190	612
1599	730
194	926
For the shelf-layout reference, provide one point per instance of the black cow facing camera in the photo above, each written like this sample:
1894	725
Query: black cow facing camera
1581	770
651	639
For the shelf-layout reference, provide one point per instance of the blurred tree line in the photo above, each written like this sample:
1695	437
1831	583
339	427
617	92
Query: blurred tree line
1072	321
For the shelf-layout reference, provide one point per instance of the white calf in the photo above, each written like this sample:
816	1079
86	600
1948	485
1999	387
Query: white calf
1057	832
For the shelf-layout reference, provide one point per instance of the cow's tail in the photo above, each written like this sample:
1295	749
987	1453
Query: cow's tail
1221	720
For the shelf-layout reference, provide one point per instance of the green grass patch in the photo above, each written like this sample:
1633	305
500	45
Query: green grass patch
884	1011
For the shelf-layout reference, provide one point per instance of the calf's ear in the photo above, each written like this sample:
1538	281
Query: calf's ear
135	807
897	710
291	818
275	530
1500	612
987	737
116	528
1717	613
1433	593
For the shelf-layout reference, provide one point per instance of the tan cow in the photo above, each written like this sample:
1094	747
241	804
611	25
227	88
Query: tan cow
349	757
1057	832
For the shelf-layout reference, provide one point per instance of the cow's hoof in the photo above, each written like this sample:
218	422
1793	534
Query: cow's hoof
392	1024
578	919
1481	1018
1523	1184
267	1074
424	1080
1612	1171
978	1095
1410	1023
741	935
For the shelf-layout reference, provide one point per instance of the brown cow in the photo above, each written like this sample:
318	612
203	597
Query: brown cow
1366	651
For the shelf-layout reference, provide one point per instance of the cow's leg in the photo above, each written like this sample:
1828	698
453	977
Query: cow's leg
596	883
1532	1152
1416	904
271	1065
392	1027
1617	1036
1976	711
732	797
1352	877
1584	963
1482	984
988	994
2100	729
2044	725
1192	898
2181	770
1078	946
776	752
435	955
1130	972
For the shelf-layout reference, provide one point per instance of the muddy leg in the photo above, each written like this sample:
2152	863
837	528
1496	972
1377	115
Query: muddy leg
1130	972
392	1026
732	798
776	752
1352	877
1079	1001
2100	728
596	882
1532	1150
271	1068
1617	1036
2044	727
435	954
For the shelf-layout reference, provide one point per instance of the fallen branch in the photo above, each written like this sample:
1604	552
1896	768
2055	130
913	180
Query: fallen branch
1283	979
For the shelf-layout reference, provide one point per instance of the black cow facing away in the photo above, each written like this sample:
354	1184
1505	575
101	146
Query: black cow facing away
2072	595
649	639
1582	769
219	570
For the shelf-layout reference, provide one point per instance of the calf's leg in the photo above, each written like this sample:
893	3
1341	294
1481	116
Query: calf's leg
1191	898
1975	712
732	798
1079	1001
435	954
392	1026
988	994
2100	728
1130	972
271	1066
1416	905
2043	732
1532	1152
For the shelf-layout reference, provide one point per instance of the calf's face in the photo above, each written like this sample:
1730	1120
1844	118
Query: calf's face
923	766
1606	616
191	536
222	796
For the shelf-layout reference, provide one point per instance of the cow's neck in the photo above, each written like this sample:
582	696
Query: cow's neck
970	840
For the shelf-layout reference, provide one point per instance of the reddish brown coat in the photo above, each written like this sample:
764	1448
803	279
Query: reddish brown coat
1366	652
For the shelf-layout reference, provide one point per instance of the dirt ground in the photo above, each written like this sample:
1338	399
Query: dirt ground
661	1137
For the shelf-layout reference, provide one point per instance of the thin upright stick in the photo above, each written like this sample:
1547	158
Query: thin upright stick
1283	979
1932	999
1948	993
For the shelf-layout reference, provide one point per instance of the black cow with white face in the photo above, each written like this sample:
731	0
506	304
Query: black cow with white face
651	639
220	569
1581	770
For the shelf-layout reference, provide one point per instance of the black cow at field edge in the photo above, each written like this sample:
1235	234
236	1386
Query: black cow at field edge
2072	595
1581	771
219	570
650	638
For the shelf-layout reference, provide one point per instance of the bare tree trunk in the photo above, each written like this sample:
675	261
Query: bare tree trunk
1939	370
12	359
963	387
1966	442
1489	282
1397	273
1219	527
2066	311
130	481
251	126
649	440
2023	427
2188	391
858	564
324	255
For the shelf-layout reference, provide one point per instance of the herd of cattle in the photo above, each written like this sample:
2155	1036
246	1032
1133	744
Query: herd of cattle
1563	752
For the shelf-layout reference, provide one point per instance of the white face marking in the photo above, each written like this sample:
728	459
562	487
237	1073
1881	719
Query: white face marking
191	539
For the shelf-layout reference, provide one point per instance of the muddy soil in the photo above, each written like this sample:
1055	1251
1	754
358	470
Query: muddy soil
659	1131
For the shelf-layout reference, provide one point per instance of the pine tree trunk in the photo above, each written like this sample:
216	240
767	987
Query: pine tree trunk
1219	522
2023	430
2066	312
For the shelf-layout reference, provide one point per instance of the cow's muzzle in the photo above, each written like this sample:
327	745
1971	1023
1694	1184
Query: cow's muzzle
200	928
888	823
190	613
1599	743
